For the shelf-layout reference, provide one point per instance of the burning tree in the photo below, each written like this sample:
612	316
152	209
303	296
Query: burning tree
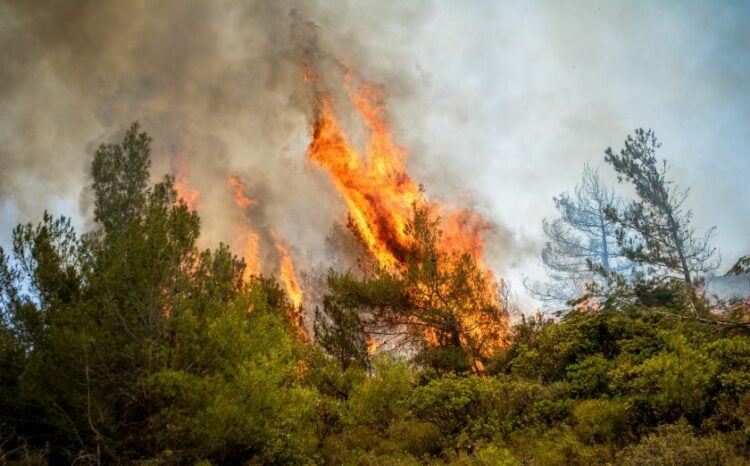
429	292
438	306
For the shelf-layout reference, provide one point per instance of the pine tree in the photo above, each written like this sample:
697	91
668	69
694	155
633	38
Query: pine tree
580	239
665	240
438	306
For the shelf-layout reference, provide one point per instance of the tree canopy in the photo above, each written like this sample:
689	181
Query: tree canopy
666	240
129	344
439	307
580	240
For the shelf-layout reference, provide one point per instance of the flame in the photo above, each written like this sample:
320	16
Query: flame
379	193
250	239
191	197
377	189
181	169
372	346
286	272
381	197
288	278
237	186
251	255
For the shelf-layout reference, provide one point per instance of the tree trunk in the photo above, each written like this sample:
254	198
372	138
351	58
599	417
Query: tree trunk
673	229
605	247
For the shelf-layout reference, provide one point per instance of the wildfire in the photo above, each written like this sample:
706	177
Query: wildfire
180	167
237	186
377	189
286	272
251	255
381	197
378	192
191	197
250	239
372	346
251	248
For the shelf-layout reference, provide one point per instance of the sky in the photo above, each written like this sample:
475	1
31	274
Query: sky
499	105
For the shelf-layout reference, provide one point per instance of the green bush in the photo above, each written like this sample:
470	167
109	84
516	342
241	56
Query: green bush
732	356
489	455
676	382
381	399
560	446
417	438
482	407
677	445
590	377
600	421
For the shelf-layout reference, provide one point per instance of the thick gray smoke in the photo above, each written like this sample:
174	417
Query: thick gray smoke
217	85
80	72
499	105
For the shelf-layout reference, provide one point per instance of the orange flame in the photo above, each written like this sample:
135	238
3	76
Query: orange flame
237	186
251	240
251	255
286	272
379	193
377	188
191	197
372	346
380	196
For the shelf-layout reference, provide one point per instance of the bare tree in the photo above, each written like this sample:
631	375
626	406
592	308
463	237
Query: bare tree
583	238
664	240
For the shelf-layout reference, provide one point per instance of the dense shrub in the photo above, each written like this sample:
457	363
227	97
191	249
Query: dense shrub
677	445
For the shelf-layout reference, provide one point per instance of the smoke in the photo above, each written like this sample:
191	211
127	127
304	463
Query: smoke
499	105
217	85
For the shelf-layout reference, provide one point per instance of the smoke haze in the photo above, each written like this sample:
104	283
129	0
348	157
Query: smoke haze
499	104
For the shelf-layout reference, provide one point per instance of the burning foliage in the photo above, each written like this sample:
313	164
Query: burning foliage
287	274
181	169
438	307
425	289
247	235
431	254
376	187
430	293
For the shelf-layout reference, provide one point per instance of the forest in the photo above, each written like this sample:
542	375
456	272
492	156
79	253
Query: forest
130	344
